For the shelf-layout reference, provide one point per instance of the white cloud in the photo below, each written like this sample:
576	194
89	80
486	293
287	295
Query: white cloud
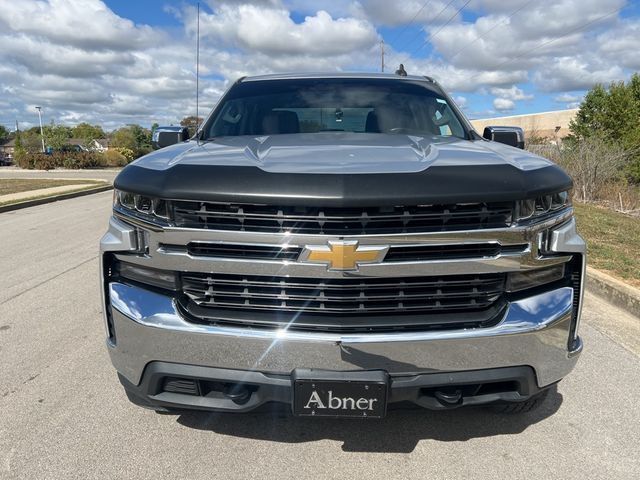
576	73
622	44
271	30
462	79
511	93
503	104
567	98
86	24
460	101
531	37
383	12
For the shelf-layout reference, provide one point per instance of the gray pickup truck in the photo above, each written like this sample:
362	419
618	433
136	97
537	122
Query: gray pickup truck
341	243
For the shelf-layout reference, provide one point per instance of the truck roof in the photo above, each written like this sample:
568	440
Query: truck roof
294	75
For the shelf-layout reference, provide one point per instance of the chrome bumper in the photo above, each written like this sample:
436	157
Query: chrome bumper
534	332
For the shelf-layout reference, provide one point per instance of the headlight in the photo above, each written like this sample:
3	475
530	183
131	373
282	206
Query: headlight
542	206
153	209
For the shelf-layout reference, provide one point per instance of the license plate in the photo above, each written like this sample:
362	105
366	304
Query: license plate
318	393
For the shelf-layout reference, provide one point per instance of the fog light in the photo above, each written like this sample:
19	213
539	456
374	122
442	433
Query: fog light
533	278
149	276
186	386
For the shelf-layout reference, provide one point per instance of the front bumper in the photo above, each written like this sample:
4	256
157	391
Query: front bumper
533	333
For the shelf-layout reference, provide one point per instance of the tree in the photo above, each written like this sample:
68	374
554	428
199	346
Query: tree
30	140
143	139
613	115
87	132
123	137
134	138
191	122
19	150
4	134
56	136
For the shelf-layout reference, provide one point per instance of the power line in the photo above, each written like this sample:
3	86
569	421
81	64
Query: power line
398	35
404	29
570	32
484	34
424	28
431	22
433	35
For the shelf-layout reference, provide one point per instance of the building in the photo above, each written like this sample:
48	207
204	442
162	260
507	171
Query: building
550	125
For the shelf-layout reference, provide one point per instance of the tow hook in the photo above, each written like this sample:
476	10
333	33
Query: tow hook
238	394
449	399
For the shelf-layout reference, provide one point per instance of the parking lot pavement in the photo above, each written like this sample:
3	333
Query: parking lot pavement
63	414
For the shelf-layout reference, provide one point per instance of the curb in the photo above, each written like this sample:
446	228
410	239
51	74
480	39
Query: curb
614	291
54	198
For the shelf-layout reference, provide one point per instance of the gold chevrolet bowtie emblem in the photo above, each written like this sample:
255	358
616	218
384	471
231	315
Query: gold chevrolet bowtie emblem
343	255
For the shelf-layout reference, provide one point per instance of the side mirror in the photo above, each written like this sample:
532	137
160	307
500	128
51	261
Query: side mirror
512	136
165	136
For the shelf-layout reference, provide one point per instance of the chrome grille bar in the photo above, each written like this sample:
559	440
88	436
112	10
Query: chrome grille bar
441	295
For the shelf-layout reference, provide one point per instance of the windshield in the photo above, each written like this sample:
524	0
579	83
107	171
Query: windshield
273	107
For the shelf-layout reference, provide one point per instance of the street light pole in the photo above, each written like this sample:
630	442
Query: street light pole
41	131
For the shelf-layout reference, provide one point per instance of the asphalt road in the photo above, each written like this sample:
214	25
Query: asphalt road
64	415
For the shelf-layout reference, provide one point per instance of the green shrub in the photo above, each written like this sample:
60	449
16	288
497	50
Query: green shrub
41	161
633	169
113	158
79	160
76	160
127	153
22	159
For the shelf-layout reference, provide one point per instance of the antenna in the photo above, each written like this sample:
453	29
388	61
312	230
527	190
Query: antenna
198	75
382	55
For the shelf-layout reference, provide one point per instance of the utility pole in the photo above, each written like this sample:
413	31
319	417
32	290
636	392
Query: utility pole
382	55
41	131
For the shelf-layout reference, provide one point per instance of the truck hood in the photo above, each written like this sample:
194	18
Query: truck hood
342	169
341	153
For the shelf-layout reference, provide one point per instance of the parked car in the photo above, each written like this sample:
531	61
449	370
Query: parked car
6	159
341	243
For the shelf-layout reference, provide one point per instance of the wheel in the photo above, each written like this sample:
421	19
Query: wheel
522	407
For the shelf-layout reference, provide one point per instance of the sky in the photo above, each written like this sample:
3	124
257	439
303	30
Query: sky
116	62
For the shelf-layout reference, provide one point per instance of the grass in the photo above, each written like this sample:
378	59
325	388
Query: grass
613	241
17	185
8	186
